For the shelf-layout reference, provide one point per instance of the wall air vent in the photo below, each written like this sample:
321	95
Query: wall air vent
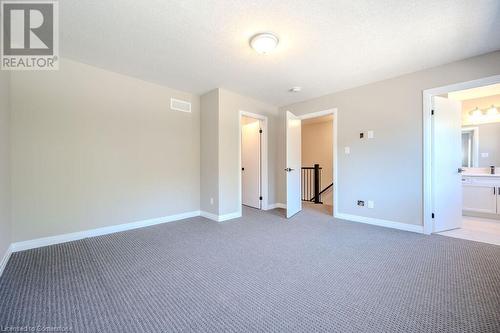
178	105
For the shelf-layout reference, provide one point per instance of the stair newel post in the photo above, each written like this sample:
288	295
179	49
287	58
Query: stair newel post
316	184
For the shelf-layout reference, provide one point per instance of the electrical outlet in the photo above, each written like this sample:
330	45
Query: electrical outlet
361	203
361	135
371	204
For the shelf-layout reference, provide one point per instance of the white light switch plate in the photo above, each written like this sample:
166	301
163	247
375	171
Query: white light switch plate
485	154
371	204
371	134
347	150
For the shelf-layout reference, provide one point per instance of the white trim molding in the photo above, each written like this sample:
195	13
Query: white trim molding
210	216
45	241
276	205
230	216
380	222
5	259
220	218
334	112
318	114
427	95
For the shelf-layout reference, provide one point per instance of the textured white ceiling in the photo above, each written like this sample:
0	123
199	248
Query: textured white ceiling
325	45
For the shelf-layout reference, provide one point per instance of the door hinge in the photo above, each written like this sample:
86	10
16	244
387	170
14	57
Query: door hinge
432	112
260	131
432	215
260	198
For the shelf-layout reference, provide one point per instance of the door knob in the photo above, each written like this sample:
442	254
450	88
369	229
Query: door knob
288	169
460	170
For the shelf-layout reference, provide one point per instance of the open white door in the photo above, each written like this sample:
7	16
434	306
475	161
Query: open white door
293	164
250	164
447	158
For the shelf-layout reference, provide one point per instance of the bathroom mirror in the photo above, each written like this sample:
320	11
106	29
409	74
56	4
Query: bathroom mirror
469	152
481	145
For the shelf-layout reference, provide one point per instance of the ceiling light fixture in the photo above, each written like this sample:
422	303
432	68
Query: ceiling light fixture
264	43
492	111
476	112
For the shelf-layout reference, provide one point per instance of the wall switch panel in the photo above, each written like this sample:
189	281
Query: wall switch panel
347	150
371	204
485	154
371	134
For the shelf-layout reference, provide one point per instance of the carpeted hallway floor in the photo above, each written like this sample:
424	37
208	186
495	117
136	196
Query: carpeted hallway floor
260	273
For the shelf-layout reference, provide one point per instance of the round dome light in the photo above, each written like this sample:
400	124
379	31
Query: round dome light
264	43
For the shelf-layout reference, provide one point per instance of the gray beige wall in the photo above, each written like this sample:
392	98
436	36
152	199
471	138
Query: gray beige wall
388	169
317	147
5	222
210	152
220	172
229	169
92	148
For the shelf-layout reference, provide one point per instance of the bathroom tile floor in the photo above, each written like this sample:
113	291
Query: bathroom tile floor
477	229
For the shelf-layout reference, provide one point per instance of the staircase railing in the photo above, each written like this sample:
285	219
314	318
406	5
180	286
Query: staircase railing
311	184
322	191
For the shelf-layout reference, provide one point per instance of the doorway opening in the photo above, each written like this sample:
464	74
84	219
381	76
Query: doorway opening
317	163
462	160
253	160
311	161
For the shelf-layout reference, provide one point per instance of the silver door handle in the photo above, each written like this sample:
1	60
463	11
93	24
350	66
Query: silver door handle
460	170
289	169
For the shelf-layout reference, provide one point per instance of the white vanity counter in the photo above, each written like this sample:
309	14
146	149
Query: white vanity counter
480	175
481	180
481	193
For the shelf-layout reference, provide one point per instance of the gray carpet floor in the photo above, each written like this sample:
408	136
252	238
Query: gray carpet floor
260	273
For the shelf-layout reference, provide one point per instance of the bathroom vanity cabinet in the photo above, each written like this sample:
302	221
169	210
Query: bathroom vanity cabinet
481	194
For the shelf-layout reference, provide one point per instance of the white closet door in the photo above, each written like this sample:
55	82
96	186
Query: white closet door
250	164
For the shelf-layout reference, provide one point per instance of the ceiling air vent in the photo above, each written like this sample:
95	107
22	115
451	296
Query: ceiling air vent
178	105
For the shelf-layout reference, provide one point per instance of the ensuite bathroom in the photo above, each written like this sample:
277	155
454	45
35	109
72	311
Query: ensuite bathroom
480	171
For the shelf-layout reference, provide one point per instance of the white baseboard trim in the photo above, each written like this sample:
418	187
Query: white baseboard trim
45	241
230	216
276	205
381	223
220	218
209	216
5	259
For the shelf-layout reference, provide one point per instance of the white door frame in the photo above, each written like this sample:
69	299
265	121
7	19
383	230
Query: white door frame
263	159
333	112
428	142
